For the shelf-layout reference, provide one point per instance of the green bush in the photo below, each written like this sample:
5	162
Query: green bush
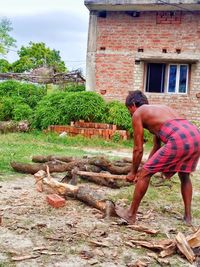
118	114
30	93
22	111
49	112
7	105
62	107
73	87
88	106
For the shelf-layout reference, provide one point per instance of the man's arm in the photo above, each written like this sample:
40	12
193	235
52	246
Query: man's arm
138	142
156	145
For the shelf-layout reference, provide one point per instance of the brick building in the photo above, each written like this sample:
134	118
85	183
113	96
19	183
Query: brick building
153	46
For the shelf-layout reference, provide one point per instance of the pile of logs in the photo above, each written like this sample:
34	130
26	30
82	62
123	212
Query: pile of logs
99	170
108	173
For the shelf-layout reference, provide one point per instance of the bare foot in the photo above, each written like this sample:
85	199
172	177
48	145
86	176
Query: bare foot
187	220
125	214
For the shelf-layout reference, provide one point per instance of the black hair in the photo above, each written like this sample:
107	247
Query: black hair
136	98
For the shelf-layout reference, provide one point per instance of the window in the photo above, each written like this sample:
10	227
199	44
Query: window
167	78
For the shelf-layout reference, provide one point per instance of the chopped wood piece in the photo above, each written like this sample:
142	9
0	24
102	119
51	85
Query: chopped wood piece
184	247
140	263
141	228
168	251
50	253
25	257
159	245
194	239
99	244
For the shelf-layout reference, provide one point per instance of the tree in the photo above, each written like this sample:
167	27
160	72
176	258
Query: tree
6	41
37	55
5	66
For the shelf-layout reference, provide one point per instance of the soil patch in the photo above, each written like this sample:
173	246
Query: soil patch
35	234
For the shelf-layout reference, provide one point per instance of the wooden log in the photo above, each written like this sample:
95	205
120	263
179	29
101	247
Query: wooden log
104	175
43	159
105	179
83	193
90	197
54	166
100	162
107	165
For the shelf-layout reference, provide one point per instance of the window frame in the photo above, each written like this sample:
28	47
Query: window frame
166	79
178	65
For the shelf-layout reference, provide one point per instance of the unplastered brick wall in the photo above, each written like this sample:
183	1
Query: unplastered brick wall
187	107
90	129
119	36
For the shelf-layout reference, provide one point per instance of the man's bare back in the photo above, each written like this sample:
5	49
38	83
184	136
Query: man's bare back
153	116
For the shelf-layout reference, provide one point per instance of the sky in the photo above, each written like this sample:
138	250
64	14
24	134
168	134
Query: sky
61	24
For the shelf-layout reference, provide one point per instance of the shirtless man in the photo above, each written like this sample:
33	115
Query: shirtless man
180	152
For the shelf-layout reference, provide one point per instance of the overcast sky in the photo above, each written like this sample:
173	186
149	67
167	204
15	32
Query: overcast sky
60	24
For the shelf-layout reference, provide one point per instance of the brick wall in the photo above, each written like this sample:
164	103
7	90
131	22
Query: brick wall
90	129
119	36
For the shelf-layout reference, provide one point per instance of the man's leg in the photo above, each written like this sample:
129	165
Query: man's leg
186	191
139	192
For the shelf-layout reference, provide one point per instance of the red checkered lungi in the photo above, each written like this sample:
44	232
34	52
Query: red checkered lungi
181	149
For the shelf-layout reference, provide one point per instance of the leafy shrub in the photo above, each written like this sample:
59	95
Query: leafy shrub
22	111
49	112
88	106
30	93
7	105
72	87
62	107
118	114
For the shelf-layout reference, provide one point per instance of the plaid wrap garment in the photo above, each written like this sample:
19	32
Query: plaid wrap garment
181	149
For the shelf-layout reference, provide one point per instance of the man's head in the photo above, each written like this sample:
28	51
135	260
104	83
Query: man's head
136	98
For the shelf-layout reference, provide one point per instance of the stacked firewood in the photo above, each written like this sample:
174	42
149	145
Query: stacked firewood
108	173
99	170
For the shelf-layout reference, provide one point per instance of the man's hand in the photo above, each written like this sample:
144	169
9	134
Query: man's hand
130	177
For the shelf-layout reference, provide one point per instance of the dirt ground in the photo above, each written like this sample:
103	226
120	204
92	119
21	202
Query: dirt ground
75	235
